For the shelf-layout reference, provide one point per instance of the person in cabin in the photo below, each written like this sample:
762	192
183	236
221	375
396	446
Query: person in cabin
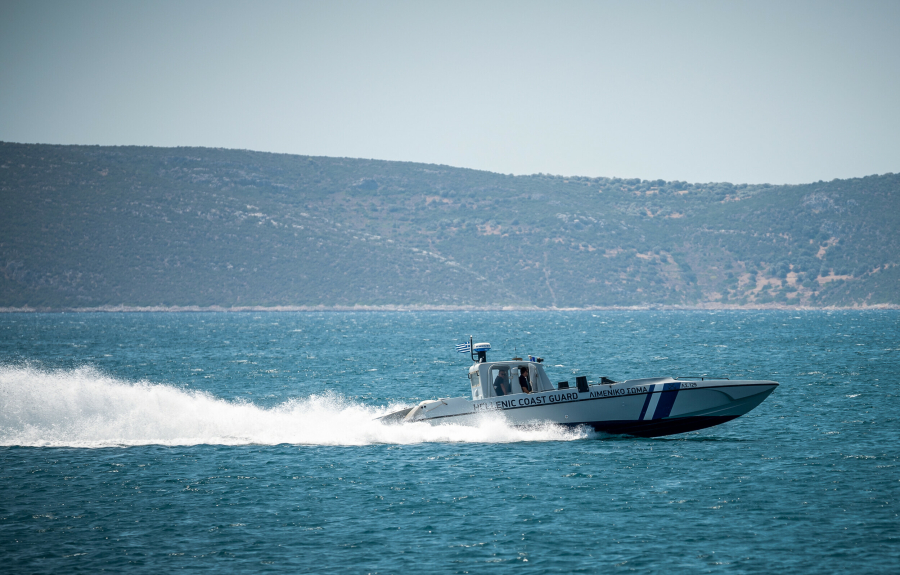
501	383
523	379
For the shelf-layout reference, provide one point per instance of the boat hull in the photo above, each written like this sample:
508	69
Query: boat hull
661	427
644	408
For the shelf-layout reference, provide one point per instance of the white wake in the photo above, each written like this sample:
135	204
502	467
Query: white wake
86	408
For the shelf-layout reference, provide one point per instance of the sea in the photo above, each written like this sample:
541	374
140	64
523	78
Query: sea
248	442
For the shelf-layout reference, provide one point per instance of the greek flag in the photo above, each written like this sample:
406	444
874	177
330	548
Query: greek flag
464	348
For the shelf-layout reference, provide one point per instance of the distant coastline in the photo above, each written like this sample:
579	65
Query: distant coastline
413	308
85	228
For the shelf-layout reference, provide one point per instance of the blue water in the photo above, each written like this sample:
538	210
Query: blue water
245	442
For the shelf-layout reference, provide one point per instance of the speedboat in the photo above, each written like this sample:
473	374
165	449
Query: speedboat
520	390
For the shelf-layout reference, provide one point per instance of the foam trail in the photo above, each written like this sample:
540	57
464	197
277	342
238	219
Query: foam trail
85	408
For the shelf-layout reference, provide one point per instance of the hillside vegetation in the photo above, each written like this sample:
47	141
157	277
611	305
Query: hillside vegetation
88	226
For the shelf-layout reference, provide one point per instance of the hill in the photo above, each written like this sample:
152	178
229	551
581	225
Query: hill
87	226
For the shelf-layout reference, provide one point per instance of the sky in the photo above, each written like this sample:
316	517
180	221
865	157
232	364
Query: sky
744	92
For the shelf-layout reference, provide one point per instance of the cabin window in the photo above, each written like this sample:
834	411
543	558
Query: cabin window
504	380
500	380
515	376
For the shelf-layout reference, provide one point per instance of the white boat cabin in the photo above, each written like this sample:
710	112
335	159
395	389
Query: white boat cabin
500	378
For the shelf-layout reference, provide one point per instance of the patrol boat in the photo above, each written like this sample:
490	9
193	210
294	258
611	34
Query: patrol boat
650	407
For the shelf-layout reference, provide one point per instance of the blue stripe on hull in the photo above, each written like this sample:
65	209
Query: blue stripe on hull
666	400
646	403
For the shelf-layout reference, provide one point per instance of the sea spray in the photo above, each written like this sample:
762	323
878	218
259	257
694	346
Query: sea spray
84	407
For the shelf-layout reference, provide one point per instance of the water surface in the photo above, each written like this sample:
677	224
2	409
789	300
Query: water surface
246	442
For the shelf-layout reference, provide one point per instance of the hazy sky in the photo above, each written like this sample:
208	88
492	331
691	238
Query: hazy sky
780	92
